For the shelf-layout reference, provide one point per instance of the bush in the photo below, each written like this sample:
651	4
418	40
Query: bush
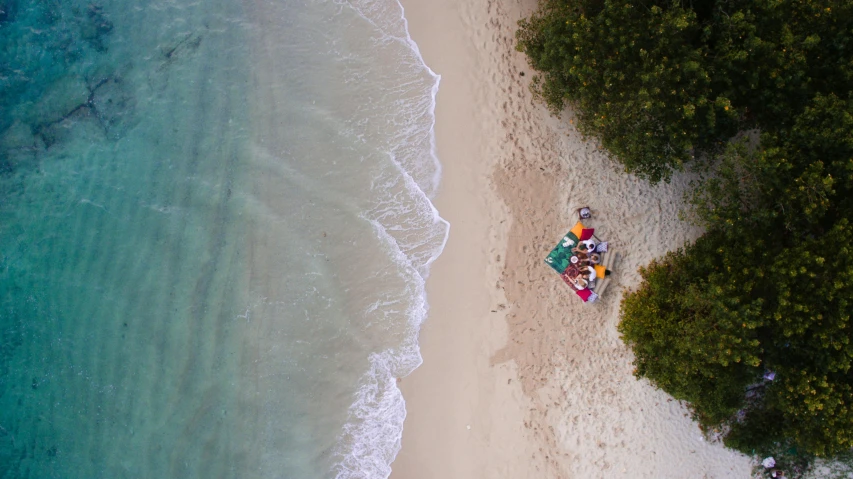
769	287
692	333
662	82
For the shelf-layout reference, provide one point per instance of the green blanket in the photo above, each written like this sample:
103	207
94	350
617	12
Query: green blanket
559	256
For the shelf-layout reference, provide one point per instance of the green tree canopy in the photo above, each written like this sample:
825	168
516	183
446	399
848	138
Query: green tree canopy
769	287
660	82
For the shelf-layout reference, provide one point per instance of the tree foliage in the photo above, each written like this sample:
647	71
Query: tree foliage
769	287
692	334
660	82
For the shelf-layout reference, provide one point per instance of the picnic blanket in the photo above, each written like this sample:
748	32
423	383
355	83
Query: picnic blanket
560	259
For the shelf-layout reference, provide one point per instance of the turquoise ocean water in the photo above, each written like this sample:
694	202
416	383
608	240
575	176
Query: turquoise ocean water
215	226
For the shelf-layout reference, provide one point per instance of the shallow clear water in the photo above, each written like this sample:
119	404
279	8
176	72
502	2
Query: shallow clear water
214	231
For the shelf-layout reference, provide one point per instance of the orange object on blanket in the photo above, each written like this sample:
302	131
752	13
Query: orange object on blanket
582	232
577	229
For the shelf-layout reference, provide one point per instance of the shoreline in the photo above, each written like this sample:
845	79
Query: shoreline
461	407
520	379
363	408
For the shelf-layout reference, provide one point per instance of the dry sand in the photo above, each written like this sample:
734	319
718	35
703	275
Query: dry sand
520	379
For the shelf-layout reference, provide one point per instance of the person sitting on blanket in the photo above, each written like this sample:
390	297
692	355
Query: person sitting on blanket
580	283
581	255
590	272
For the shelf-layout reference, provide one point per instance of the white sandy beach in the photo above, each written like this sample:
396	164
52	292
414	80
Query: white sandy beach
520	379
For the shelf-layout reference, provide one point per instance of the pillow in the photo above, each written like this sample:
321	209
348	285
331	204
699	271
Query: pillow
577	229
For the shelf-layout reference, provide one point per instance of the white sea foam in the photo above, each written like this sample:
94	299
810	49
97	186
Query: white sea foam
414	234
387	17
372	436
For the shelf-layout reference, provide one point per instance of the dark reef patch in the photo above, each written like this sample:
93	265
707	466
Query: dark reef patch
113	104
49	51
108	104
95	26
184	47
8	9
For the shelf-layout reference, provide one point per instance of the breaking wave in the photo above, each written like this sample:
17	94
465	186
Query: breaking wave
412	232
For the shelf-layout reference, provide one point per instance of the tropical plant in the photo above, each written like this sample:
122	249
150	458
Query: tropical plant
663	82
769	288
